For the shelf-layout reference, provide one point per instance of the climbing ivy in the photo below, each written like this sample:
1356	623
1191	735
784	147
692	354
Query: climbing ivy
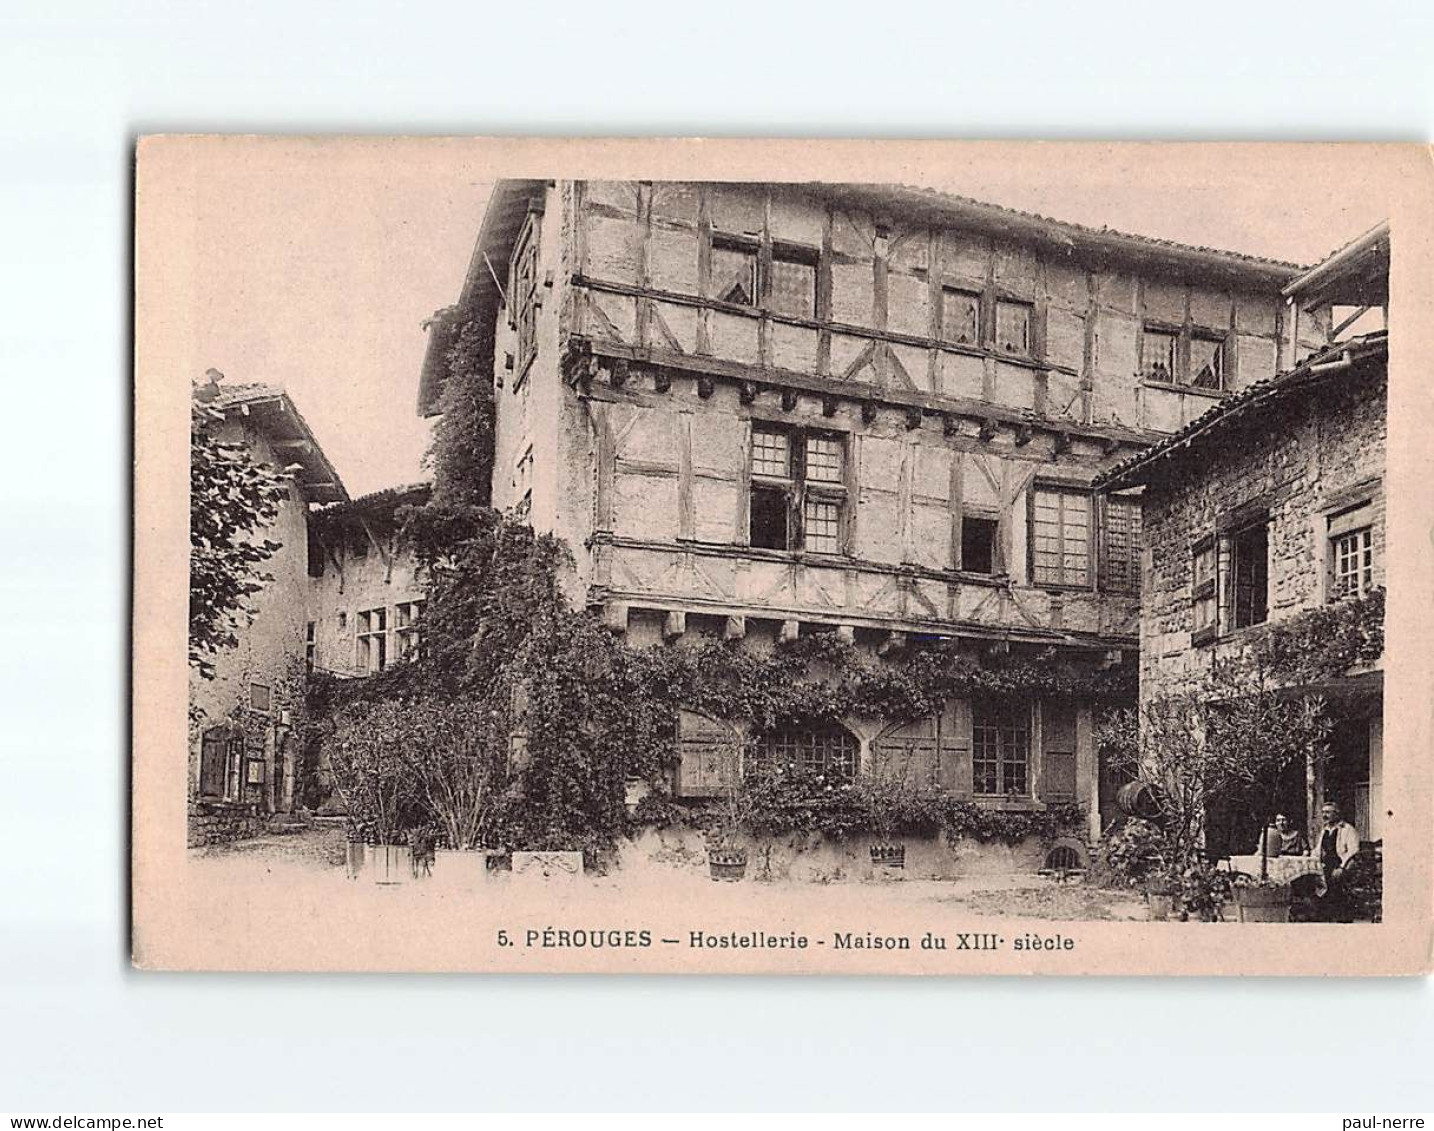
1324	643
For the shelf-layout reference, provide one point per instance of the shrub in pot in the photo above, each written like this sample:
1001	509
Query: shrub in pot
726	858
886	797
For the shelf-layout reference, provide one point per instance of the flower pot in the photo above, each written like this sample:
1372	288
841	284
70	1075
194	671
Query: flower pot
1263	903
390	863
888	855
1160	898
727	863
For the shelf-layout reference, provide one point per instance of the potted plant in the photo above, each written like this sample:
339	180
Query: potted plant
369	778
1160	893
451	755
726	857
885	795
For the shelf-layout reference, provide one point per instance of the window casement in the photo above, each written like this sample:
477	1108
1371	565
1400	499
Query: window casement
523	296
1192	357
1203	602
407	631
372	638
798	490
742	277
1060	536
1207	361
1351	552
1119	567
221	757
311	645
1015	328
260	697
1000	750
1248	586
960	316
827	751
734	269
791	286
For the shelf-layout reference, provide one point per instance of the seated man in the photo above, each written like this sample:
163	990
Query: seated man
1338	846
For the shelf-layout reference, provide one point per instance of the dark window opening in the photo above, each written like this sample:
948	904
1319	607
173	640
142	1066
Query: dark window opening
769	518
1249	550
978	544
316	555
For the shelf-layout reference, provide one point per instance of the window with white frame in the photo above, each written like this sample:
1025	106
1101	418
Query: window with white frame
1000	750
372	637
1351	552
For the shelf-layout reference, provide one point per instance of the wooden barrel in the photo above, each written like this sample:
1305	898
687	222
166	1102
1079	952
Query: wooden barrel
1138	799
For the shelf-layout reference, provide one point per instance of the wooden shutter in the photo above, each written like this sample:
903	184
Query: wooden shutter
1058	748
708	751
911	749
212	756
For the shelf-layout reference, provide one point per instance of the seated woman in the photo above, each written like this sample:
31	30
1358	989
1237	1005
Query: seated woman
1283	839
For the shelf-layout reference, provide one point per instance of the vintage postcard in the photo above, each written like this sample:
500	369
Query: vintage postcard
782	557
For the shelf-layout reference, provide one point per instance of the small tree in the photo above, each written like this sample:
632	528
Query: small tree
456	762
886	794
1162	743
232	499
369	773
1257	733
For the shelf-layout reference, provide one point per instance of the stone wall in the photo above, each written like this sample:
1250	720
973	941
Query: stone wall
219	822
1302	460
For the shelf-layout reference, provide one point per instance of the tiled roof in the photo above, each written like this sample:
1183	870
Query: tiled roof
1311	370
271	409
939	196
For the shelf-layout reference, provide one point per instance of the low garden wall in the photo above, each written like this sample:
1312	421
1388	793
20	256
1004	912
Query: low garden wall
814	858
219	822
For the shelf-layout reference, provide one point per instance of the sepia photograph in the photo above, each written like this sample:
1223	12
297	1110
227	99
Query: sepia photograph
661	556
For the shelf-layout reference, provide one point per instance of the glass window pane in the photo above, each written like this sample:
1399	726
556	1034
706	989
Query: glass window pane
824	459
960	317
1013	327
822	522
771	454
1207	363
734	274
794	288
1157	355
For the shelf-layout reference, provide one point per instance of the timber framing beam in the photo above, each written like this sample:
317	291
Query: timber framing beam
584	357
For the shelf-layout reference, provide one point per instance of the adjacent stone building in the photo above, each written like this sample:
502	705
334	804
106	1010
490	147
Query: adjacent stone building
1271	506
367	594
242	758
756	412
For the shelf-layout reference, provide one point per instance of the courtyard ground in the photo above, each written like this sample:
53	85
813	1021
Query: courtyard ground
319	855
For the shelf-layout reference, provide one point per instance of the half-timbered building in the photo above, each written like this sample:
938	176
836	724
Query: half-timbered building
761	411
